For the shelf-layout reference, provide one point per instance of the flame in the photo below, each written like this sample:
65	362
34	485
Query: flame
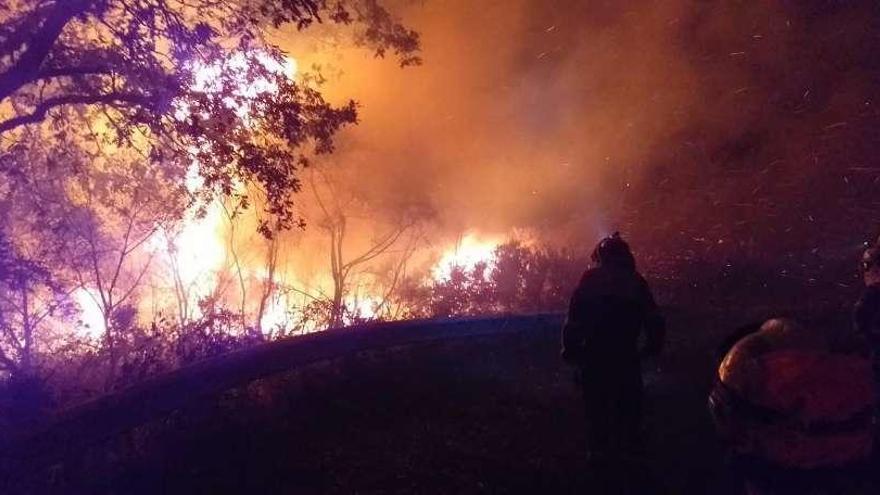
90	314
363	306
207	75
470	250
197	251
276	315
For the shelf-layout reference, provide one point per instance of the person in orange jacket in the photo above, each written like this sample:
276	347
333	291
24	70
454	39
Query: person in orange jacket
610	309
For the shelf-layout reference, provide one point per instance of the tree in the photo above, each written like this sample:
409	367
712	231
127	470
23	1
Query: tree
533	278
465	292
393	276
336	208
519	279
86	214
114	210
28	299
182	289
268	287
34	293
136	66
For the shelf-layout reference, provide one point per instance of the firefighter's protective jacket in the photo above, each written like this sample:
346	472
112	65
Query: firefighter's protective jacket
609	310
782	396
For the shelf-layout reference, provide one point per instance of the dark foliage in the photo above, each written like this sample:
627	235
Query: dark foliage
520	279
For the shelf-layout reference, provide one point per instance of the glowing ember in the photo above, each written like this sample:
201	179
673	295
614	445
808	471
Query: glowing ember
466	254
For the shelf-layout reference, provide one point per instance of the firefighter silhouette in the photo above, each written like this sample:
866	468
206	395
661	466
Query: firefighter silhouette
610	309
866	315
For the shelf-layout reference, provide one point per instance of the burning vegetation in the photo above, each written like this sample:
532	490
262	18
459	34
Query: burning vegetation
151	160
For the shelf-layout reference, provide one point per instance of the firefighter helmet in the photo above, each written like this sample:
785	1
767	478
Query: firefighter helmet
871	257
783	397
613	250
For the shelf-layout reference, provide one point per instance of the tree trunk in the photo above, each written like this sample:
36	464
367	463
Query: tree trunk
27	362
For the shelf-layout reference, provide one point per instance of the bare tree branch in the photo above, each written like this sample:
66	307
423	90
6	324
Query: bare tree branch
28	64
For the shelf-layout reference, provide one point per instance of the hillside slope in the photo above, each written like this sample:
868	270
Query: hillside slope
484	406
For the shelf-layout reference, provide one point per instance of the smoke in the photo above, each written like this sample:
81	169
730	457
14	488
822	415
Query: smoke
709	127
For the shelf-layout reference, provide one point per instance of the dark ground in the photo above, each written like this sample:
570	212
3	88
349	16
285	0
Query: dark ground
492	414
